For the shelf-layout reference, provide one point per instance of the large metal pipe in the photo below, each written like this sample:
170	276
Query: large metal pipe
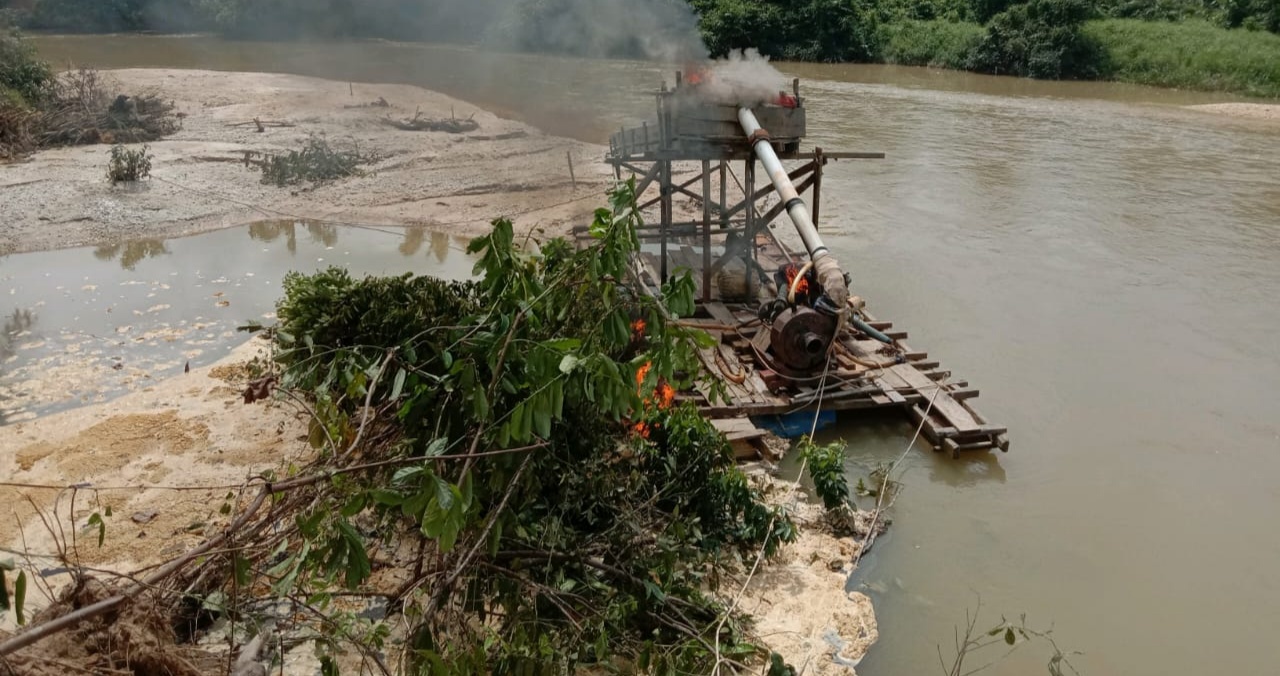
826	267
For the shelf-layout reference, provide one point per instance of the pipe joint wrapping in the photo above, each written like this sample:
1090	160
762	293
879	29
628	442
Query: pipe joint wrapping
831	277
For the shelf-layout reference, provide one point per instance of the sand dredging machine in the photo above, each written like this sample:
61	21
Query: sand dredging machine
790	337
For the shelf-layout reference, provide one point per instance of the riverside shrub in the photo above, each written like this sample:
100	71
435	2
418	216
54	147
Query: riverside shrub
939	44
1040	39
24	79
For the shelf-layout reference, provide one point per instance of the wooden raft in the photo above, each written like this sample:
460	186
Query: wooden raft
864	373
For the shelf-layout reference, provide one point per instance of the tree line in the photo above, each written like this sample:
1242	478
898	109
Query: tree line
1208	44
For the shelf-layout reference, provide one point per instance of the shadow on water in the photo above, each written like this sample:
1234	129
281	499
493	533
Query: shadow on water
116	317
131	253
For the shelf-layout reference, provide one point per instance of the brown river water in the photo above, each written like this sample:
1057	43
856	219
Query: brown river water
1102	262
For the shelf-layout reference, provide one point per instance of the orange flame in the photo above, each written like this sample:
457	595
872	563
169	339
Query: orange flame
642	373
664	395
802	287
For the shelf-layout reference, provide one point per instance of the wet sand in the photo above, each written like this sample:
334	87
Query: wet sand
194	430
453	182
1253	111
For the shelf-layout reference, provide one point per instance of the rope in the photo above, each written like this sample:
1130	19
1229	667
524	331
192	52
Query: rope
884	485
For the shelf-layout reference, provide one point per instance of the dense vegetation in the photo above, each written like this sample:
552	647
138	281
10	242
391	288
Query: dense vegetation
38	109
567	516
499	464
1206	44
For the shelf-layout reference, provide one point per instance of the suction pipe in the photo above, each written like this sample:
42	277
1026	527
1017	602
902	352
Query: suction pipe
828	270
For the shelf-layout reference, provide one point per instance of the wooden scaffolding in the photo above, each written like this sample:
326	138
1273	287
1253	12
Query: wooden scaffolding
690	152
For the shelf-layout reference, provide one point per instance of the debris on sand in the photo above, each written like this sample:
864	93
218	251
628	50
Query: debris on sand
380	103
452	125
83	112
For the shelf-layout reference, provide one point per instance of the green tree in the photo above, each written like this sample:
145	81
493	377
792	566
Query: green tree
24	79
1040	39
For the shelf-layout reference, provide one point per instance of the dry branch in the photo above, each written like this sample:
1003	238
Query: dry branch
452	125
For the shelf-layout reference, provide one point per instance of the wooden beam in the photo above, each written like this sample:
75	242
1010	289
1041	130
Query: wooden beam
768	190
706	230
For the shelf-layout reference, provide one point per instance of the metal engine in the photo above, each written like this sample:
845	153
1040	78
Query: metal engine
801	336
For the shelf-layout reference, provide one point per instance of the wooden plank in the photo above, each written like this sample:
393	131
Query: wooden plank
761	341
722	314
949	408
738	428
894	381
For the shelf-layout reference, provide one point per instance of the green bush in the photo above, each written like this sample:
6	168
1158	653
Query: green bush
1191	55
808	30
894	11
127	165
25	80
317	162
591	540
826	468
1041	39
1153	10
940	44
1256	14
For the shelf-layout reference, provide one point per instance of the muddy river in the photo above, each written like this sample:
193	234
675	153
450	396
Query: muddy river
1102	262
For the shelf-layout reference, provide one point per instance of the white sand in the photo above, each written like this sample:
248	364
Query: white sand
454	182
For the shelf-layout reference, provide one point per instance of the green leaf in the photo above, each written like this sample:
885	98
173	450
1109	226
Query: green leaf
404	474
386	498
358	566
95	519
563	344
467	491
568	363
542	419
4	590
479	404
1009	636
20	596
557	399
436	448
654	591
355	505
107	511
216	602
243	570
397	387
444	494
433	519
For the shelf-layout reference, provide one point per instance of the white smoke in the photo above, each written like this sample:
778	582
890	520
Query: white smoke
744	77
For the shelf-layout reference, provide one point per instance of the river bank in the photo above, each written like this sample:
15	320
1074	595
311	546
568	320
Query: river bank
455	182
156	466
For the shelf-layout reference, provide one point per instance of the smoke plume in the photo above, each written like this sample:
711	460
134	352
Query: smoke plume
744	77
658	30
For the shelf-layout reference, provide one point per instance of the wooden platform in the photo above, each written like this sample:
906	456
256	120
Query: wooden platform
863	373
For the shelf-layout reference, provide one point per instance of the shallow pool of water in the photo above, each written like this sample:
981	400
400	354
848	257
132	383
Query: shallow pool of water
82	325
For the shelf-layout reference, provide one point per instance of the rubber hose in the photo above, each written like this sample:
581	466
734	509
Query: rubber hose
866	328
